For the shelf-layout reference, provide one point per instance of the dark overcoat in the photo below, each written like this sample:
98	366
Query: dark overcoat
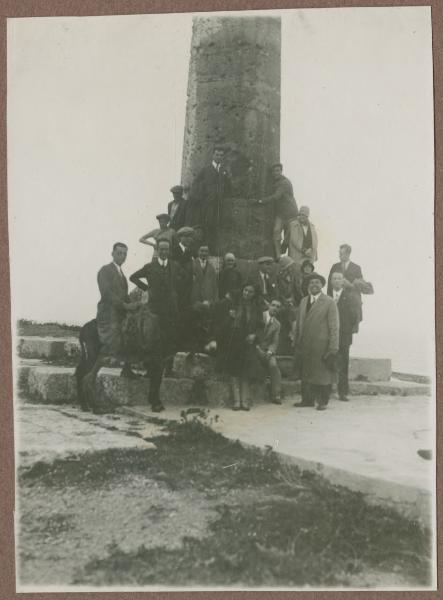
113	289
207	191
317	333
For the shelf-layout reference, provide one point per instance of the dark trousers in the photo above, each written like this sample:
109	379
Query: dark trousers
155	368
312	393
343	369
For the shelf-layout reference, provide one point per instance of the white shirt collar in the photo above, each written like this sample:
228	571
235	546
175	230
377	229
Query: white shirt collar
216	166
163	263
314	298
337	293
267	316
346	264
203	262
118	267
182	247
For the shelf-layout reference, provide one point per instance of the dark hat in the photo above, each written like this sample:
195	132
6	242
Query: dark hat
162	216
277	164
315	275
177	189
305	263
265	259
185	231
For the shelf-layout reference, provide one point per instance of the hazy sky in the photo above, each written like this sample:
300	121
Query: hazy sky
96	111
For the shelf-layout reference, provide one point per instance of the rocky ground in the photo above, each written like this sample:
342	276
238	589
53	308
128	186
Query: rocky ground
114	501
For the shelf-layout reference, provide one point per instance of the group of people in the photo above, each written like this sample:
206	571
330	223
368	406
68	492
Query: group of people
243	314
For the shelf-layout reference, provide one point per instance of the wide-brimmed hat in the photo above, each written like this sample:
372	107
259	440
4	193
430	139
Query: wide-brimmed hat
162	216
315	275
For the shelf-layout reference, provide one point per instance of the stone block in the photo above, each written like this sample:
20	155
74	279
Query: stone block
52	385
49	348
370	369
197	366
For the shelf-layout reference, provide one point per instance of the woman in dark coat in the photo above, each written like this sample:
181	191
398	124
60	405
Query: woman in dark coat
238	324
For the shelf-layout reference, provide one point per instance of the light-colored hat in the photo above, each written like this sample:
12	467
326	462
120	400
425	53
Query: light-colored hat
304	210
185	231
285	262
265	259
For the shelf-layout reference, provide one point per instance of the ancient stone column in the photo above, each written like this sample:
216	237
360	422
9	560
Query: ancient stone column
234	99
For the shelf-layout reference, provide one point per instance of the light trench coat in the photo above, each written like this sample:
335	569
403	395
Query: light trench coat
316	334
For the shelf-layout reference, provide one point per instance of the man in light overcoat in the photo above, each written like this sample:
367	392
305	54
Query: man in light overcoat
316	343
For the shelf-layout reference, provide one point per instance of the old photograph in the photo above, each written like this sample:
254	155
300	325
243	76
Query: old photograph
221	232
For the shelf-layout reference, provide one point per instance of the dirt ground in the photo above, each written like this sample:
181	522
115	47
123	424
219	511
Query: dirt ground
199	510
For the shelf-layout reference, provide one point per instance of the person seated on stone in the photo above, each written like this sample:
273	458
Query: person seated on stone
112	308
302	243
229	278
268	342
238	328
288	294
264	281
285	206
177	208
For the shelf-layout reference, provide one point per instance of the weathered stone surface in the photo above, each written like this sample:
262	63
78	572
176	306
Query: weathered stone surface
52	385
370	369
197	366
234	99
50	348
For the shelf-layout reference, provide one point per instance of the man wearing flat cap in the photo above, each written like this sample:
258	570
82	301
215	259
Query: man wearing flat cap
208	189
264	281
316	343
163	232
177	208
285	206
302	241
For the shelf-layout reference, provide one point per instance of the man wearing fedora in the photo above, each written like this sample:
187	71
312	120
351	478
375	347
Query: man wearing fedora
316	343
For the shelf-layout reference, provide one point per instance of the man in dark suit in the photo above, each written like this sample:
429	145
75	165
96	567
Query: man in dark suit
163	278
111	310
208	189
267	349
348	310
352	278
265	281
177	208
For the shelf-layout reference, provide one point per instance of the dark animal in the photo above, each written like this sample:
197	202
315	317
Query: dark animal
90	348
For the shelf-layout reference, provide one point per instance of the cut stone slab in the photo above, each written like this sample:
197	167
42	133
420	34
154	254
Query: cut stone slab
368	445
46	433
47	347
56	385
370	369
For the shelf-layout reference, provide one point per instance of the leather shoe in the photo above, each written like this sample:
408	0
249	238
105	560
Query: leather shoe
158	408
276	401
303	405
343	398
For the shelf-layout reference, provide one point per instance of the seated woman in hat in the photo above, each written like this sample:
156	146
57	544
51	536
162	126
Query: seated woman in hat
163	232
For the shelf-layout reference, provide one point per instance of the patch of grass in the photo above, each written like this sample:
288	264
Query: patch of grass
297	530
28	327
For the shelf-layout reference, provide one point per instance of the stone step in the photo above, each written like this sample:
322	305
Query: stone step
56	385
201	365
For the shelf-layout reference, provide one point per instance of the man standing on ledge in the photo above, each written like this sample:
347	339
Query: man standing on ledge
302	243
177	208
285	206
208	189
316	343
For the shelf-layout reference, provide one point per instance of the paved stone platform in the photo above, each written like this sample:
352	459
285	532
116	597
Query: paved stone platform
45	433
368	445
